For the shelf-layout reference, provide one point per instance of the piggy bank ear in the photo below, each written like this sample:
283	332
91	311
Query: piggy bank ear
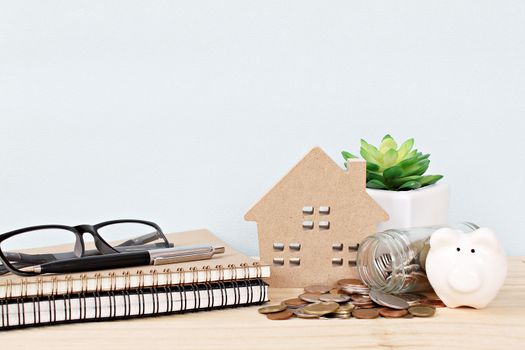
487	238
444	237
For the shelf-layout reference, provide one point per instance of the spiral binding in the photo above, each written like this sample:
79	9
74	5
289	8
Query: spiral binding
115	303
37	300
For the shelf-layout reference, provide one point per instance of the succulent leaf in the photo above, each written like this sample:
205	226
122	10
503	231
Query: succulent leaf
387	144
404	149
410	185
376	184
390	158
430	179
372	166
347	155
374	176
393	172
417	169
397	182
411	154
372	152
405	164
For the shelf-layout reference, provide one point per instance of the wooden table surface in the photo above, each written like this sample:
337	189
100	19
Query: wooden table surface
499	326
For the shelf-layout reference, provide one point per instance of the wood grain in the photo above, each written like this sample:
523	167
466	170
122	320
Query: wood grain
501	325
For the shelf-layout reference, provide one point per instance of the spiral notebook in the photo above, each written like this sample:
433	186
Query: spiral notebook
141	302
232	265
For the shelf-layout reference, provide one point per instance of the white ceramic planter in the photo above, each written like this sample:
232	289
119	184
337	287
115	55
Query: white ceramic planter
426	206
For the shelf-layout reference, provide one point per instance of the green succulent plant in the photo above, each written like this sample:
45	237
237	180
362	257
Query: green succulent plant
395	169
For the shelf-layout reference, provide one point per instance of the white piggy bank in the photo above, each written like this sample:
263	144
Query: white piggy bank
466	269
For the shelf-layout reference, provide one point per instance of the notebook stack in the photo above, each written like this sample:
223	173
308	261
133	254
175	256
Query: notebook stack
230	280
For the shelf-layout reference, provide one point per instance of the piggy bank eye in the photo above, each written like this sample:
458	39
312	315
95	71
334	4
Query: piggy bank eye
458	249
473	250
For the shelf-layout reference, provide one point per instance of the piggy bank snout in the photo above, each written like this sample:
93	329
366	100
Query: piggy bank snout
464	280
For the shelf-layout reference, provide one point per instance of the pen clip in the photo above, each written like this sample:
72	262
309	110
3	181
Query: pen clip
192	253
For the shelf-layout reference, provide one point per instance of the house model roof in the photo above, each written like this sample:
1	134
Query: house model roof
317	175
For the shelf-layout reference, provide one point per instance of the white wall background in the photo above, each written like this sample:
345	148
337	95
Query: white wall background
186	112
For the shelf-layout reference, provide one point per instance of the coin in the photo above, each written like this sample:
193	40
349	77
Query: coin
411	298
272	309
353	286
346	315
366	306
321	308
295	302
360	298
301	314
336	291
432	302
365	313
363	302
283	315
392	313
317	288
338	298
347	307
309	297
351	281
422	311
388	300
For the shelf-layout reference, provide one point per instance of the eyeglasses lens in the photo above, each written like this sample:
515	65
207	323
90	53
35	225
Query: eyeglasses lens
131	236
40	246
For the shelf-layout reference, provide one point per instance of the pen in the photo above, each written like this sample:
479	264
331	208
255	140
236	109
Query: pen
128	259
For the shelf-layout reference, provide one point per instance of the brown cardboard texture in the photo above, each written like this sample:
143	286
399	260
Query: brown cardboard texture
311	222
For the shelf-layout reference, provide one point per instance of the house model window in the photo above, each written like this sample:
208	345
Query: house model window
309	224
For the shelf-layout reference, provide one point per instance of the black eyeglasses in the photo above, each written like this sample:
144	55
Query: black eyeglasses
36	245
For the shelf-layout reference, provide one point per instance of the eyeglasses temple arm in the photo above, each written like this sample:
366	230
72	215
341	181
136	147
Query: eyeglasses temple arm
140	240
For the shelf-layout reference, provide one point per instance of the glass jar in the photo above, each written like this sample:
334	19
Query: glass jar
393	261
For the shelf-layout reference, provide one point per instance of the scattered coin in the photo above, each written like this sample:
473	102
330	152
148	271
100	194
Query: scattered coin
363	302
283	315
317	288
360	298
432	302
309	297
411	298
345	315
301	314
354	290
320	309
272	309
295	302
353	286
338	298
392	313
336	291
388	300
422	311
347	307
350	281
365	313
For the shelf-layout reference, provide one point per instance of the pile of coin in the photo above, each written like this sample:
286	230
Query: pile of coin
411	272
351	298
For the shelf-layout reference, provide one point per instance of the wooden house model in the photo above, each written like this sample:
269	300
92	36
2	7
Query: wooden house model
311	222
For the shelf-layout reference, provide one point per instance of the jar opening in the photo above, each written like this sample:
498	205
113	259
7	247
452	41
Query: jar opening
379	262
